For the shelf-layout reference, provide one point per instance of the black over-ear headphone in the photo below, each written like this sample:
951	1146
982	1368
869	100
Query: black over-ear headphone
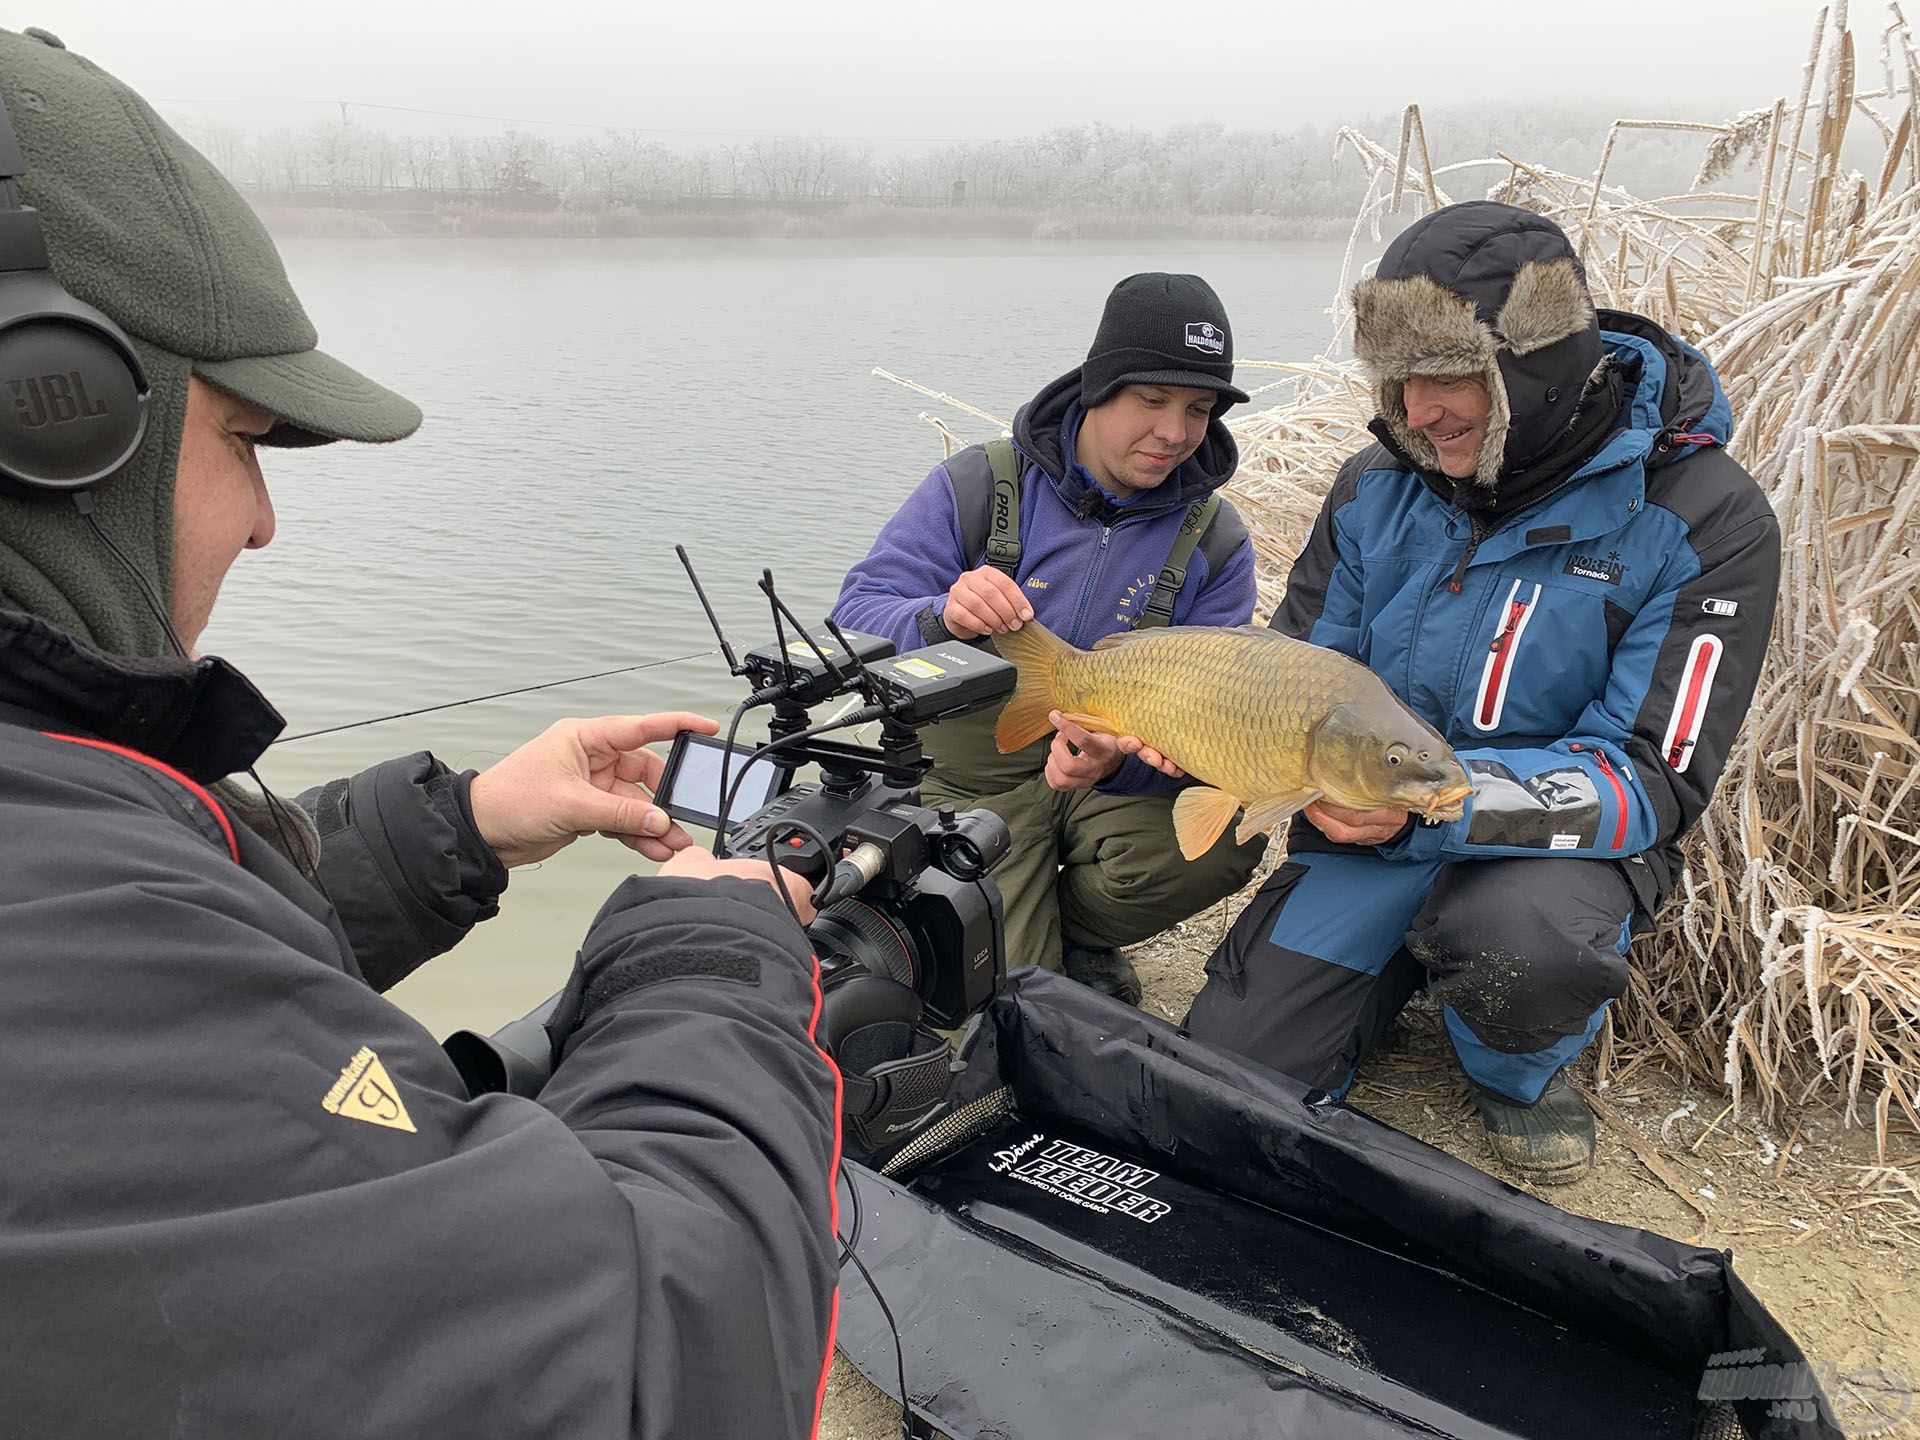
73	394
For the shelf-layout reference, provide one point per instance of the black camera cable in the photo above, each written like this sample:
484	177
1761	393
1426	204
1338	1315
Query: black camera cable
851	720
847	1253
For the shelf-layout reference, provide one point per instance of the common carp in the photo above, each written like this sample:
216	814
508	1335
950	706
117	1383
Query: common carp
1267	722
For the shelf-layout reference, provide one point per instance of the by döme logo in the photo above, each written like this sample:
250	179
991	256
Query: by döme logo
1206	337
1005	1160
1592	567
40	400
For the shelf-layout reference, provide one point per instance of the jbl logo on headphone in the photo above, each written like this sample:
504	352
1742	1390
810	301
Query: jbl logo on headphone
54	399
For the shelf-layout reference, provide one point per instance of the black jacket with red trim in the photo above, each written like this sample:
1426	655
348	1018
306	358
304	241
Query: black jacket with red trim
242	1195
1591	654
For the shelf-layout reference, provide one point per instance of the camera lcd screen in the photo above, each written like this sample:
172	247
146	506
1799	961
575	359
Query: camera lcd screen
690	786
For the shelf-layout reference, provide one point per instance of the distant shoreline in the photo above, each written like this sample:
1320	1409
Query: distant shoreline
864	221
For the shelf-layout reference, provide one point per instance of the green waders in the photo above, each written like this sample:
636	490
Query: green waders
1089	869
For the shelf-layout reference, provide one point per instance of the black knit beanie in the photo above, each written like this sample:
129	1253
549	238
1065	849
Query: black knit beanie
1161	329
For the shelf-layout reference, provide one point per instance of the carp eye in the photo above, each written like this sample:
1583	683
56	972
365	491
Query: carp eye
1395	754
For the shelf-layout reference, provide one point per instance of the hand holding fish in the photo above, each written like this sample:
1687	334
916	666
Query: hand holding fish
1345	826
985	601
1267	723
1081	758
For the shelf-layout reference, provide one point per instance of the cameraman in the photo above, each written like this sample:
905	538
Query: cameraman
242	1195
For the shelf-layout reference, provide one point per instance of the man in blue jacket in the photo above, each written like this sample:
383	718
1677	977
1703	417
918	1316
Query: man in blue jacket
241	1193
1550	556
1101	515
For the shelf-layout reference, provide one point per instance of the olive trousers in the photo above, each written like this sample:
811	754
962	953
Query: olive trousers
1087	869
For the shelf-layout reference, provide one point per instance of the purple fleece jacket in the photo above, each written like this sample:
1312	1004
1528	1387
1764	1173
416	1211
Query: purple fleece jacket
1086	564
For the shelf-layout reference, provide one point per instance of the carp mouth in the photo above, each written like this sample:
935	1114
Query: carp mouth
1450	803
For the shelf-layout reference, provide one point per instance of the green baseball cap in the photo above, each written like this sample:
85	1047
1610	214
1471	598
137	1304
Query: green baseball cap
140	224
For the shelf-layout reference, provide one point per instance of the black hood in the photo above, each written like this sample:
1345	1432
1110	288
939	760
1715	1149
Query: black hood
1494	291
1036	431
203	717
1689	390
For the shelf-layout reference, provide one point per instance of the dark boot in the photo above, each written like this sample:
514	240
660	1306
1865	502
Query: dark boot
1549	1142
1107	971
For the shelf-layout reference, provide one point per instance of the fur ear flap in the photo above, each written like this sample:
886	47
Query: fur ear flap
1416	326
1547	302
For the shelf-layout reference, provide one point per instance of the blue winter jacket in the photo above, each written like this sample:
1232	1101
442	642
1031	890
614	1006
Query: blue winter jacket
1591	657
1087	564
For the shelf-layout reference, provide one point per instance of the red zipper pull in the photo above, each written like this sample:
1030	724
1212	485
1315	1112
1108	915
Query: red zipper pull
1514	612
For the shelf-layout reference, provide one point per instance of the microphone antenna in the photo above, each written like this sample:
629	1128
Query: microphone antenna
780	608
733	664
779	634
859	665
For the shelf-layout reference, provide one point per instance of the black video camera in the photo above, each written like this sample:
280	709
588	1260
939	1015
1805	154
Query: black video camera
909	926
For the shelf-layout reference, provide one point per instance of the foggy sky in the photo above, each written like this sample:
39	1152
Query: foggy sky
907	71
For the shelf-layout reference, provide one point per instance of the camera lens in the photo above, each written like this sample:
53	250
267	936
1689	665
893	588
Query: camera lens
866	938
975	844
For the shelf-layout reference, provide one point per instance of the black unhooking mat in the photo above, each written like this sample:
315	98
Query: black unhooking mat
1122	1232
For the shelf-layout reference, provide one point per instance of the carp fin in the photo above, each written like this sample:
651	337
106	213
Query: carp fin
1098	724
1200	815
1273	813
1034	651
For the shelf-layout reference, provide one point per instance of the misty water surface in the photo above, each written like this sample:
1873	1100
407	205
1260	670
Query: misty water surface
590	404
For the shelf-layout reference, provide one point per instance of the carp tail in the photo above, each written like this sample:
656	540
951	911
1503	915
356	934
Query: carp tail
1036	653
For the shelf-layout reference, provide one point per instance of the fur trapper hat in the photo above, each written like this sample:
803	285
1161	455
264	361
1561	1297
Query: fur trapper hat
1489	290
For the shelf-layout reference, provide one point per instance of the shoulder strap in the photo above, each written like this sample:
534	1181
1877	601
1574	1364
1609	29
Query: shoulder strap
1003	543
1226	534
1173	570
986	483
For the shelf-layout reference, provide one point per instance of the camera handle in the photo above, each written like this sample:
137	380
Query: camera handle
895	1073
517	1059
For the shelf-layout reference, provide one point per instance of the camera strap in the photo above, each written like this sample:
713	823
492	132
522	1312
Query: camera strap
887	1103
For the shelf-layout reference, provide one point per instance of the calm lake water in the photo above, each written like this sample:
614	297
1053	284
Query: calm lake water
588	406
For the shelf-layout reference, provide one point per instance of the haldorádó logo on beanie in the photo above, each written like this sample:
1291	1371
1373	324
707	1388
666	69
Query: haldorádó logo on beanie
1160	329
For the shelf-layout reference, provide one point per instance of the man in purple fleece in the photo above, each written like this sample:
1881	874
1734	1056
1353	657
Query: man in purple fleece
1107	466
